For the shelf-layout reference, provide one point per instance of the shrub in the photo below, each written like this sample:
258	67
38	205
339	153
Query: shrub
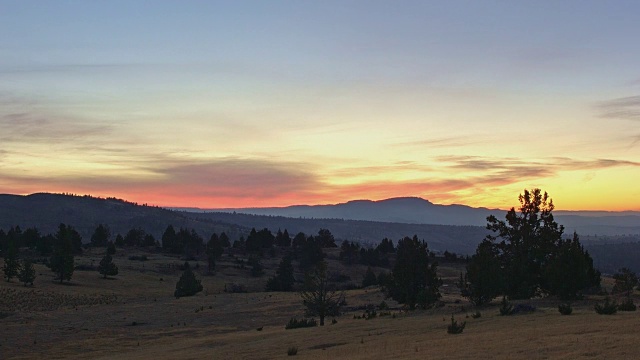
302	323
476	315
627	305
505	307
292	351
138	257
565	309
608	308
383	305
454	327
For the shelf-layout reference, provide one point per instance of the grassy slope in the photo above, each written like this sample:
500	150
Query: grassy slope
94	318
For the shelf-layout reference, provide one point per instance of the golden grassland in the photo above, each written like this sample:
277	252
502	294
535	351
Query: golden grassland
135	316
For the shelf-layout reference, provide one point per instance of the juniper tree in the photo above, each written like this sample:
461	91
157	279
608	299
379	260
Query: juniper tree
188	285
27	273
107	267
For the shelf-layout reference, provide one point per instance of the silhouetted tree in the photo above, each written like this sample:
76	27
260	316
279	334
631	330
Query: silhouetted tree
119	242
11	264
224	240
532	254
283	280
569	270
484	279
325	239
107	267
31	237
134	237
299	240
319	299
148	241
27	273
169	241
62	260
100	236
283	239
310	254
386	246
413	280
188	285
349	252
626	280
259	240
214	251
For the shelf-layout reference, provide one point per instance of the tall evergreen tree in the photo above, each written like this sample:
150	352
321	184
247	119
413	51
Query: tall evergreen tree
62	260
532	257
11	264
100	236
414	281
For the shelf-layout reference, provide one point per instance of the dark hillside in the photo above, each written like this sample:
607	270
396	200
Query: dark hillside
47	211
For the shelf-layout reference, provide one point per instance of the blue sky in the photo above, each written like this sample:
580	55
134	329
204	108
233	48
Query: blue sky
322	102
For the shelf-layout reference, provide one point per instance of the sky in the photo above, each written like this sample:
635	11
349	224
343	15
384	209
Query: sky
272	103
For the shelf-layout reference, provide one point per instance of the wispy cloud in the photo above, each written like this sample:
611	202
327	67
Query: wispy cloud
627	108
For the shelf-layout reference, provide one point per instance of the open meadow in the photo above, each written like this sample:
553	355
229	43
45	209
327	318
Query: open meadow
135	316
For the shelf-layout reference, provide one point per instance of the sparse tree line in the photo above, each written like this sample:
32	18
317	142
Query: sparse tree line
526	256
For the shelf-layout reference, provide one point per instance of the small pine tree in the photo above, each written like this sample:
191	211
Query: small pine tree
27	273
455	328
107	267
188	285
505	307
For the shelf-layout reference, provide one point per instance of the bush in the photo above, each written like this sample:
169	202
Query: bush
302	323
292	351
627	305
608	308
454	327
505	307
565	309
476	315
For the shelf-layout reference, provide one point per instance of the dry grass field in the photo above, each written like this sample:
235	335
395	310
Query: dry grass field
135	316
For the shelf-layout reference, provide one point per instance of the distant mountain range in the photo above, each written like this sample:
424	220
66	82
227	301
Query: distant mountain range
414	210
455	228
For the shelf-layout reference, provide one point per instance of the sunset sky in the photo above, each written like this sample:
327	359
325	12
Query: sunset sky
273	103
